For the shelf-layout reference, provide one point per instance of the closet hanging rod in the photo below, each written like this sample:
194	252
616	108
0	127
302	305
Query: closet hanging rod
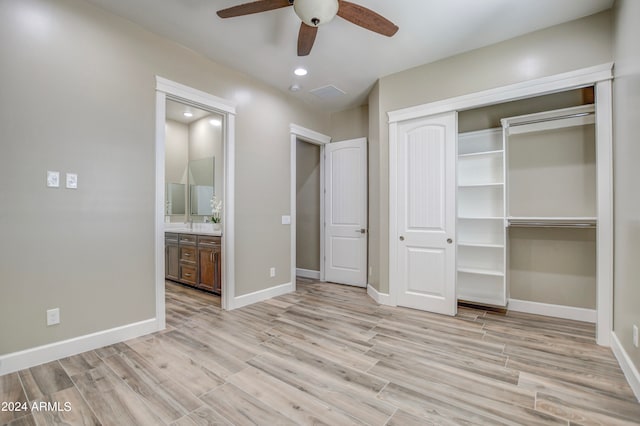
550	224
543	120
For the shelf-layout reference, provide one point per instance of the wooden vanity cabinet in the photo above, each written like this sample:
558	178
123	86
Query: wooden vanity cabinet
195	260
209	263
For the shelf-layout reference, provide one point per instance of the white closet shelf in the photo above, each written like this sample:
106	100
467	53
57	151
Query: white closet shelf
482	245
476	154
481	185
480	271
552	222
480	218
550	120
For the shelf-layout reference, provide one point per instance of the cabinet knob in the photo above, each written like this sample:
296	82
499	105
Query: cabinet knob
449	241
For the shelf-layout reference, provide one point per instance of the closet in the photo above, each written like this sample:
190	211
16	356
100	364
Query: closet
526	203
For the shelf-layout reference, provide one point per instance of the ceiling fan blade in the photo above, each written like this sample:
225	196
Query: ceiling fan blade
366	18
253	7
306	37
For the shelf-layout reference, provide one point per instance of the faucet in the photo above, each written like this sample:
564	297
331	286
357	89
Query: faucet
191	223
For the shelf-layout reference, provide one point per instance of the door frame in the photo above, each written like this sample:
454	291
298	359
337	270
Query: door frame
310	136
167	89
600	77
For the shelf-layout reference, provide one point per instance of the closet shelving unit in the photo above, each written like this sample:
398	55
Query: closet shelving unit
572	209
481	199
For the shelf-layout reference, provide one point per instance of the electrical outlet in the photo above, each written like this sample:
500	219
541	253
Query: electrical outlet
53	316
272	272
635	335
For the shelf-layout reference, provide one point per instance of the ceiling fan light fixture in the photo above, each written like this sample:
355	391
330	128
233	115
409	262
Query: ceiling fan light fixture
300	71
316	12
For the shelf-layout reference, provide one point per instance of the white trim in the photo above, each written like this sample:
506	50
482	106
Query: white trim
549	310
42	354
381	298
628	368
572	79
308	273
298	132
194	95
393	211
159	216
261	295
309	135
179	91
229	215
604	196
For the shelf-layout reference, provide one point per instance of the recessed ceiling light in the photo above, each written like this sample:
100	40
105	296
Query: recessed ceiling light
300	71
295	87
215	122
187	114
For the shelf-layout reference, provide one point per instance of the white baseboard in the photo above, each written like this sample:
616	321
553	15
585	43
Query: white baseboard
308	273
42	354
558	311
628	368
259	296
381	298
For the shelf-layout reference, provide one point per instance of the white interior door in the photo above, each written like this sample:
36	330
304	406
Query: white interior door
425	271
346	212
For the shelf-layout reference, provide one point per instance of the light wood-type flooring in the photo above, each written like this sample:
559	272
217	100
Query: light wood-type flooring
327	354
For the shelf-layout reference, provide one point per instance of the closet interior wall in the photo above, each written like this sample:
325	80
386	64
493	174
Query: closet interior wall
536	174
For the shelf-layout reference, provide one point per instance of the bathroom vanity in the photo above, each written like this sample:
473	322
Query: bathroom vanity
194	259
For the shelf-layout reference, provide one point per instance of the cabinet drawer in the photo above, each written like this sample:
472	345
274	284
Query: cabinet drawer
188	274
188	239
206	241
187	254
170	238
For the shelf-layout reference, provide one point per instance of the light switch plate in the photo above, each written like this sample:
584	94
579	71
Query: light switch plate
286	220
53	179
72	181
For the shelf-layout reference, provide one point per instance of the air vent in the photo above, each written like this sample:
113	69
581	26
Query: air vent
328	92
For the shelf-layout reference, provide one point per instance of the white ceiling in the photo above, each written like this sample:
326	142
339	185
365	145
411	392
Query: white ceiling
345	55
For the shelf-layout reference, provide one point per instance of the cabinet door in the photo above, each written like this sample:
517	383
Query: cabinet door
172	262
206	271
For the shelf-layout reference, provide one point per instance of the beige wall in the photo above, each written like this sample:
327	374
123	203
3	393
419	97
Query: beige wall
626	128
176	152
308	206
574	45
78	95
350	124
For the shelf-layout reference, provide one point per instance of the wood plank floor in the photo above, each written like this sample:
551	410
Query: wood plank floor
328	354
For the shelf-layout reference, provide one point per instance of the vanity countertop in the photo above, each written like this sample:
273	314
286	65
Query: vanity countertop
195	229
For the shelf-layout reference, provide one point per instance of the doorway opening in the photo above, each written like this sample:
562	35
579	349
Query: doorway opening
309	255
187	190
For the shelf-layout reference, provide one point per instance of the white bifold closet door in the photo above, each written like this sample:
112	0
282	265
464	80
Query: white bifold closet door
425	266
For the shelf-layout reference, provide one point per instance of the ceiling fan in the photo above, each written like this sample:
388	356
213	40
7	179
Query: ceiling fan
314	13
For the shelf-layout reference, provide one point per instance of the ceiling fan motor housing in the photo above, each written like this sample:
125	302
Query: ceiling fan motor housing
316	12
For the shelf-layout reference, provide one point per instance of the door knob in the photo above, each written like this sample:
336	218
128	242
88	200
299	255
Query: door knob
449	240
361	231
401	238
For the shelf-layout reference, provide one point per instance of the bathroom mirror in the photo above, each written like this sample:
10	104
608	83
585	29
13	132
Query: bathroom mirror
193	144
201	185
